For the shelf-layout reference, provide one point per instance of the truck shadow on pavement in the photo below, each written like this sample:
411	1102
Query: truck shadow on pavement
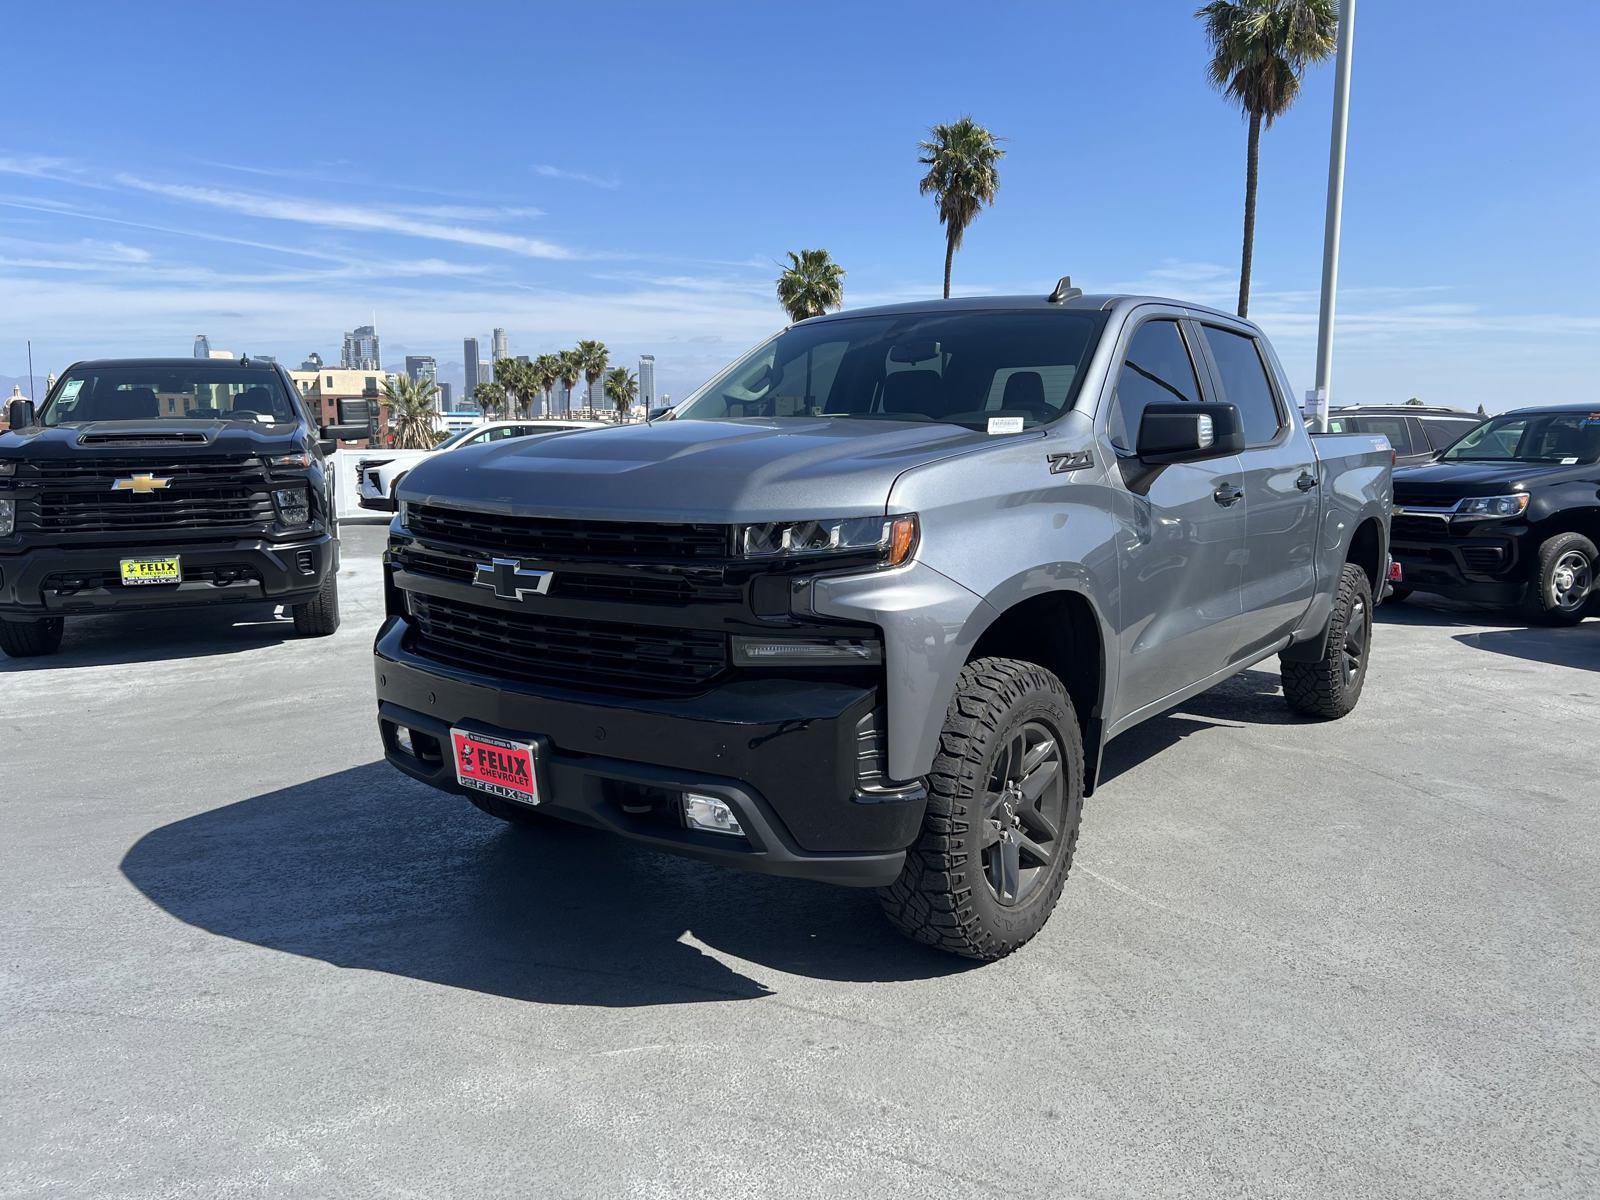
368	870
119	638
1574	646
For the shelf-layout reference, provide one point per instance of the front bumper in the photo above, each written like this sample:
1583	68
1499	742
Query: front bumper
62	580
1487	561
376	503
783	754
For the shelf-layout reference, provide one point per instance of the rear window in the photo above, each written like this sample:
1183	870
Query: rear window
182	392
1245	384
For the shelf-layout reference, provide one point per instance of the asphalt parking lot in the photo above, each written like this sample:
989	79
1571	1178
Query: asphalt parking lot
242	957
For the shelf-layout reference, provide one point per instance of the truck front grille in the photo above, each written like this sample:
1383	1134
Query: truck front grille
640	660
77	496
1417	527
633	586
570	540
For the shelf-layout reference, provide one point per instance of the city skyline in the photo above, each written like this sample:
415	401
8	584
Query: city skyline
604	227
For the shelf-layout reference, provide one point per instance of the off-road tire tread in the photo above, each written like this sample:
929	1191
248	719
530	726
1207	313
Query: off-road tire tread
1549	550
31	639
930	901
319	616
1317	689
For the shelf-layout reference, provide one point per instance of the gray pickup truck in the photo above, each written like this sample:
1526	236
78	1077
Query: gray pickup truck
868	606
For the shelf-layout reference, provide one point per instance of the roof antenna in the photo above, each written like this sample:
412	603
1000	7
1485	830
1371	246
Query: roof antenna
1065	291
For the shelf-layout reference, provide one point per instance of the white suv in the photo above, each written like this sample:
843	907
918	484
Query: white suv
377	476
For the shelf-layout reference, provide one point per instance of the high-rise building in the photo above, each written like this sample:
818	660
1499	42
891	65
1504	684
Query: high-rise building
647	381
499	347
202	346
469	360
445	396
360	351
422	366
313	362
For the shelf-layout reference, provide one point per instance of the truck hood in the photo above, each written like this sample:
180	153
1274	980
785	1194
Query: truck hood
1430	483
171	439
721	471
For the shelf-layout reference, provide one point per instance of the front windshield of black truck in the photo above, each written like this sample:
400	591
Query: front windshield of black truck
201	392
962	368
1555	437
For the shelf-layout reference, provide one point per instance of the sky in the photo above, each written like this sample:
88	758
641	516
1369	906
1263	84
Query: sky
274	174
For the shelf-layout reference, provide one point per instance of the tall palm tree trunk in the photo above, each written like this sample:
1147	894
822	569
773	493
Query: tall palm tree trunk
1251	174
949	257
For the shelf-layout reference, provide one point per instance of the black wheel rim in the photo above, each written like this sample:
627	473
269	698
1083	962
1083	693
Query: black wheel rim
1024	808
1571	577
1357	632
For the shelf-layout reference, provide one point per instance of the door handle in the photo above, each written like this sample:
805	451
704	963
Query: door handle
1228	495
1306	482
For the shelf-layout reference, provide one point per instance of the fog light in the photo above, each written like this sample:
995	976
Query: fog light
402	741
709	814
755	652
8	517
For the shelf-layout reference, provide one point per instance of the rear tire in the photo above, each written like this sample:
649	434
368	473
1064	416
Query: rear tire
1563	582
31	639
319	616
519	815
1330	687
1005	798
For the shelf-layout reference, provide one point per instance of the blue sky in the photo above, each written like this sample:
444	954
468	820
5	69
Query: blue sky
274	174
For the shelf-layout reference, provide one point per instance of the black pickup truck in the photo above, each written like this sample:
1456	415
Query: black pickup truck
158	483
1510	514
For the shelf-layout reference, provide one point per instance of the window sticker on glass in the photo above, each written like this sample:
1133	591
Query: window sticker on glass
69	391
1005	424
1567	462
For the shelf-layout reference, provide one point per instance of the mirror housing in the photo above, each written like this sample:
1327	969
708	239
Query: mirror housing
1189	432
329	436
655	414
19	414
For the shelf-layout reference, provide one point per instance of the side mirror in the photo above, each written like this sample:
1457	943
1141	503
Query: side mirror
20	414
1176	433
329	436
655	414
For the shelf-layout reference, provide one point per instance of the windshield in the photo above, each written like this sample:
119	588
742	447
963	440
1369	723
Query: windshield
960	368
180	392
1551	437
455	439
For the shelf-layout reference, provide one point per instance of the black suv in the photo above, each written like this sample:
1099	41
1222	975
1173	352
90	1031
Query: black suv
1509	514
163	482
1416	432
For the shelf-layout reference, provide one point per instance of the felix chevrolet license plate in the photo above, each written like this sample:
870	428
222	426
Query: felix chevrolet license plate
137	572
494	765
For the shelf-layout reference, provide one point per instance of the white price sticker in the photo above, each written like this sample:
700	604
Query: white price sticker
1005	424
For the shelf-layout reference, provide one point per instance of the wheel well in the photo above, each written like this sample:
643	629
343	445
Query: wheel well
1057	630
1365	552
1571	520
394	484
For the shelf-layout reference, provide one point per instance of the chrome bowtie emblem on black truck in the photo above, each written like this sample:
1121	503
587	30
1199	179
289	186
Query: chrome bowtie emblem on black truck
510	580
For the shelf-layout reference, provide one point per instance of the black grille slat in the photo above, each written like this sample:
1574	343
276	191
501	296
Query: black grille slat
574	584
598	656
1405	527
202	492
541	537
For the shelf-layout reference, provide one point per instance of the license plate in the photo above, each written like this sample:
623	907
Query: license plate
494	765
136	572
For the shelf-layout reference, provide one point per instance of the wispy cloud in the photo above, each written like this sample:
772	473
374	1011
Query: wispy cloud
546	171
342	216
469	212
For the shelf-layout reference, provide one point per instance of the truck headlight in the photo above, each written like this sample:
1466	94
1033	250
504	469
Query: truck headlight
1493	506
8	466
8	517
893	538
294	505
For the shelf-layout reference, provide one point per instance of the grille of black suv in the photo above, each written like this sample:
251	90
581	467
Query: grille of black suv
1408	527
79	496
545	537
642	660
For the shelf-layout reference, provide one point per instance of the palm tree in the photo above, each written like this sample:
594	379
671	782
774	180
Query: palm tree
490	396
569	367
593	355
622	389
1259	51
513	377
546	371
413	419
963	162
810	285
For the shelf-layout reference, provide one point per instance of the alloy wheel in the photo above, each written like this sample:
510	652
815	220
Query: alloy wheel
1570	580
1024	806
1357	632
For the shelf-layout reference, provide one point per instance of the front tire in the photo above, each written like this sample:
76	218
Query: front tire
1330	687
31	639
1563	581
1005	798
319	616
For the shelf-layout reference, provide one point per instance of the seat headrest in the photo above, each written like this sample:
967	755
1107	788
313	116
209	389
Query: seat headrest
255	399
1025	390
913	392
133	404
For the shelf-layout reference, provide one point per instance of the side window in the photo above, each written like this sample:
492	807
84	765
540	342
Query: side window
1396	429
1244	383
1156	370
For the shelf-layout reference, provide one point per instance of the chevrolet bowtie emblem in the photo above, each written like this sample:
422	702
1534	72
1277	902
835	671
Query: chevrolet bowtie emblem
510	580
140	483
